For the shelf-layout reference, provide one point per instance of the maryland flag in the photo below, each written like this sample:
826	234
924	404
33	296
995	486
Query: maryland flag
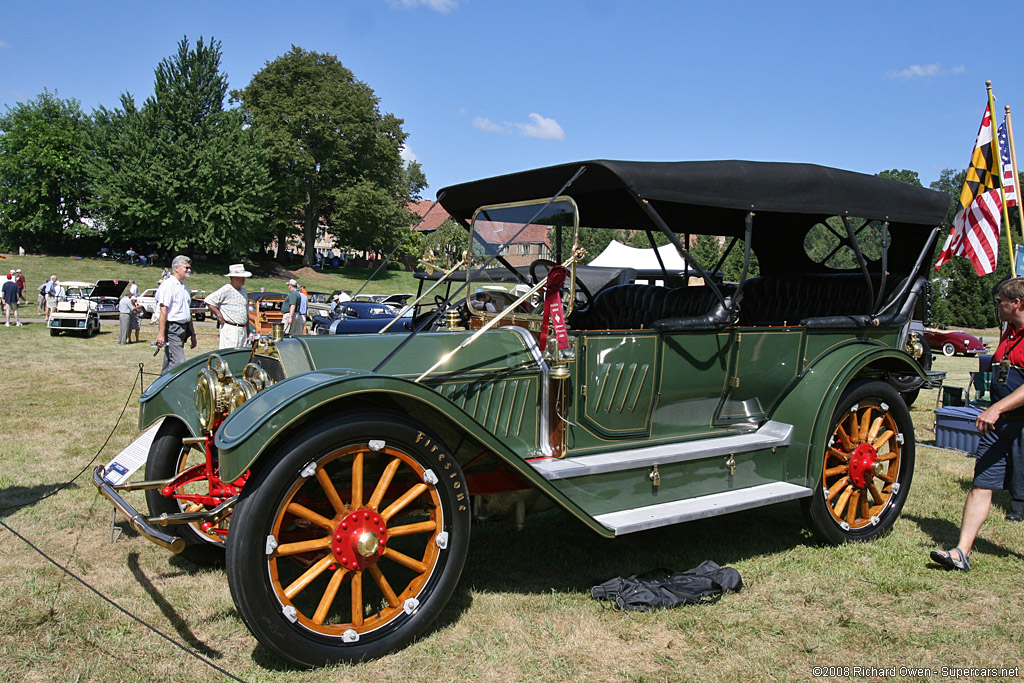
975	232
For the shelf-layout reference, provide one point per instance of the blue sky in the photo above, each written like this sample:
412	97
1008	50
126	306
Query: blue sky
488	87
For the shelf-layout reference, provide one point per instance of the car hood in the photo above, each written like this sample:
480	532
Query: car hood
109	288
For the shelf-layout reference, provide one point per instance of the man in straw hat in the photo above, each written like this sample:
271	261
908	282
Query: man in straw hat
230	305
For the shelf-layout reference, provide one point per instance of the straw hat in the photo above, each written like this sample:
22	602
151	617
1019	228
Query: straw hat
238	270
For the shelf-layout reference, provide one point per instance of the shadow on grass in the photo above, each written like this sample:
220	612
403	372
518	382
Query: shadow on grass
945	534
179	624
15	498
555	552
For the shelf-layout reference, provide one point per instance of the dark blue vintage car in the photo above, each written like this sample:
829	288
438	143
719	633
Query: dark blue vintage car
360	317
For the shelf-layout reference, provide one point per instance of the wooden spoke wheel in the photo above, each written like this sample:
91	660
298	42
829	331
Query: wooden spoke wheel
867	465
351	543
168	458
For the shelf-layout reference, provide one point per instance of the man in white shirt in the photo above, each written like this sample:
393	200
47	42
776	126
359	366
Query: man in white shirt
230	305
175	323
53	292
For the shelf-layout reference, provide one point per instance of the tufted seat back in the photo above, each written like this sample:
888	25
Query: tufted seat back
633	306
774	300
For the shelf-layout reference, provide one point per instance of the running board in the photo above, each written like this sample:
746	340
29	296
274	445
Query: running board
771	435
663	514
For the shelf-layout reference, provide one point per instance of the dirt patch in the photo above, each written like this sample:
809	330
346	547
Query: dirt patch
272	269
309	274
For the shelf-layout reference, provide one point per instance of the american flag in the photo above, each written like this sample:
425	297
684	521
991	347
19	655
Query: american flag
975	232
1009	173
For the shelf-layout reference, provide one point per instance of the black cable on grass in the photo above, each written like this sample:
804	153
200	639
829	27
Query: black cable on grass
61	487
118	607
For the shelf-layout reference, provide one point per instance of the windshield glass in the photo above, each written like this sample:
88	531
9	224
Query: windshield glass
517	243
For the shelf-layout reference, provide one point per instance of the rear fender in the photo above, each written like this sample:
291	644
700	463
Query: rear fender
818	392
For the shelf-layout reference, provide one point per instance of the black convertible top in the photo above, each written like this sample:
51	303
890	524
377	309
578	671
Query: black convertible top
606	192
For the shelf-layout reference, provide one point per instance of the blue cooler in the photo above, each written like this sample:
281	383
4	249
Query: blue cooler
955	430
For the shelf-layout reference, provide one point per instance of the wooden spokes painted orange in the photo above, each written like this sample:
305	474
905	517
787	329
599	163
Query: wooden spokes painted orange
355	540
861	465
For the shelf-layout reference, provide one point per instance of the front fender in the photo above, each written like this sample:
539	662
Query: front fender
261	422
818	392
246	434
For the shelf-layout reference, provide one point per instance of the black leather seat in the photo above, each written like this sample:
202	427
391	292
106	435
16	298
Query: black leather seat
635	307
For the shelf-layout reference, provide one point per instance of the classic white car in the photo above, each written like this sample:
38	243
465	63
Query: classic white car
148	302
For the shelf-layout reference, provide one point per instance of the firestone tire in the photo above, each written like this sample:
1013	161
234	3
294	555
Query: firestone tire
167	457
350	542
867	467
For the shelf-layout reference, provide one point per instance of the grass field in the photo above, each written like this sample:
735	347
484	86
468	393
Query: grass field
206	275
522	610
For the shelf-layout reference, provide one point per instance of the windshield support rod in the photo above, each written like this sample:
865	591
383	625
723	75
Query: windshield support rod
660	222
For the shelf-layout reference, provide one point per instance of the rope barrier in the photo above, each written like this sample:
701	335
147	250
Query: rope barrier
68	572
118	607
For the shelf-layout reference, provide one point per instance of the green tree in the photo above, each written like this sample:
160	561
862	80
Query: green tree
902	175
182	172
448	242
43	178
336	158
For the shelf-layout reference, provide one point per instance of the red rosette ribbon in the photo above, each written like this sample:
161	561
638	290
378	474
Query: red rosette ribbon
554	315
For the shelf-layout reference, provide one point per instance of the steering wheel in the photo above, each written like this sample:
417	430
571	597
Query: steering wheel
583	296
442	306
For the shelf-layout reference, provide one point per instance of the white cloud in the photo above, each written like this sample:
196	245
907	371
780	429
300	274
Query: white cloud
925	71
4	44
489	126
407	154
442	6
540	127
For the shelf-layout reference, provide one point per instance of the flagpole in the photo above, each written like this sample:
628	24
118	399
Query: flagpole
997	160
1016	174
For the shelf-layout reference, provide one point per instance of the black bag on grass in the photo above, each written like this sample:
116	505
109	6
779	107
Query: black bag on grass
703	584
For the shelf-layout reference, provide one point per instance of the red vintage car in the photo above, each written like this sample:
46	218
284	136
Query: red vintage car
951	342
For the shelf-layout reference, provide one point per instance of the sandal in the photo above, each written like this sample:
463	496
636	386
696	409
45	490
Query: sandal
947	559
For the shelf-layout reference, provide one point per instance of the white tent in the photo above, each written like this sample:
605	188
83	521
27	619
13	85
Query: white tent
619	255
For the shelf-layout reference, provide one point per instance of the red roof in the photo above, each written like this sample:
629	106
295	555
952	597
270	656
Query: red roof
434	220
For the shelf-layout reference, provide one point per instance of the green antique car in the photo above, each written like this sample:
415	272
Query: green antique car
338	477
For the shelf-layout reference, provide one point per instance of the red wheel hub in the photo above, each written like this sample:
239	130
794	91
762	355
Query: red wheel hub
359	540
862	465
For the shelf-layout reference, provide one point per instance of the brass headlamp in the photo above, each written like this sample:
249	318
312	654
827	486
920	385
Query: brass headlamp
218	392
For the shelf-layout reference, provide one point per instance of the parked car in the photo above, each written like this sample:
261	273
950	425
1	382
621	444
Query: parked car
264	311
351	465
148	302
952	342
106	294
320	303
359	317
197	305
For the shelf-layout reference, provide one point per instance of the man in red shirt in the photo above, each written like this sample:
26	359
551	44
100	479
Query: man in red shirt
19	279
1000	454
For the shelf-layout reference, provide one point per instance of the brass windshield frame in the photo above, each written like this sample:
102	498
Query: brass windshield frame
570	261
